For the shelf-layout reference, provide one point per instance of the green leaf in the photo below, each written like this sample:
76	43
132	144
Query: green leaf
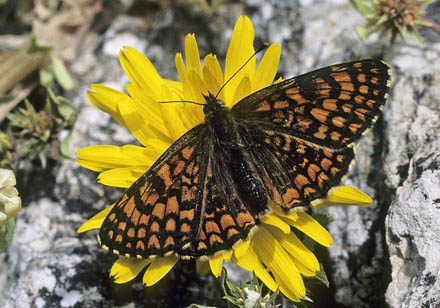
8	97
307	299
6	233
365	31
403	32
65	108
417	36
37	45
323	218
12	117
228	287
30	109
43	159
321	276
361	5
46	75
423	22
62	105
64	147
61	74
232	300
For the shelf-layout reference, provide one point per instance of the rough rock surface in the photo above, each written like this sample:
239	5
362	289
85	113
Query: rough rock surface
384	255
413	170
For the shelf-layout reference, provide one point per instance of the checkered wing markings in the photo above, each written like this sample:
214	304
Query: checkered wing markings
186	203
160	212
295	172
329	107
225	219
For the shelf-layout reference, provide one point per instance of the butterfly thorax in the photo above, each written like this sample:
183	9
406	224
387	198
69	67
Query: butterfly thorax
218	119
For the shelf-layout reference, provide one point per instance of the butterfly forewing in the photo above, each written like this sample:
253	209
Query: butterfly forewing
161	211
330	107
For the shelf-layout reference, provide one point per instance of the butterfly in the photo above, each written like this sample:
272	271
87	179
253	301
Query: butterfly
288	144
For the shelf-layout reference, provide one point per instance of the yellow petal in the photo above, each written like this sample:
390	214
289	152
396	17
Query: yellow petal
243	90
181	70
156	147
228	255
107	99
192	55
122	177
216	264
312	228
103	157
239	51
291	216
159	268
96	221
126	269
305	260
267	68
280	79
180	117
277	260
250	262
212	75
134	122
176	85
241	248
145	104
198	86
276	222
202	267
141	71
344	195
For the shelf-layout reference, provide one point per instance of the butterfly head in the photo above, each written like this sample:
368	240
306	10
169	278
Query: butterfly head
214	107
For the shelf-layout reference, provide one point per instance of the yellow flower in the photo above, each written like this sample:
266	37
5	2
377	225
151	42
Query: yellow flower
272	252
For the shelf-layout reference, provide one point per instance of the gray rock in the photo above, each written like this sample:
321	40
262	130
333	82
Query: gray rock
413	164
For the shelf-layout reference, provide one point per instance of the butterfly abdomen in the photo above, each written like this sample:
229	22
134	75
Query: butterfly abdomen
249	187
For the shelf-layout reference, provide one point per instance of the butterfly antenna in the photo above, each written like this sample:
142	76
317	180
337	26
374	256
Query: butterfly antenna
189	102
261	48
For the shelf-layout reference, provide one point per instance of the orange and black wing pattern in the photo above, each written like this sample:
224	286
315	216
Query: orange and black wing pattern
305	127
186	204
330	107
226	219
294	172
160	212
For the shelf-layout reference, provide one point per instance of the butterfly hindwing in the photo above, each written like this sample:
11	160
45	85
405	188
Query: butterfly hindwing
330	107
295	172
226	220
